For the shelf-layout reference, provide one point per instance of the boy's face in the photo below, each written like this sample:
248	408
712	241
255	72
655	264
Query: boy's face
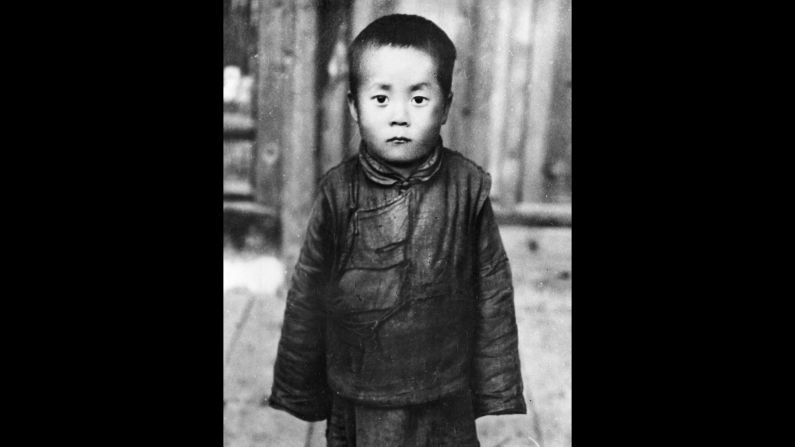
399	107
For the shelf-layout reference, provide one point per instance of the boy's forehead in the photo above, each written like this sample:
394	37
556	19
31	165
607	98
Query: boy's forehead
388	63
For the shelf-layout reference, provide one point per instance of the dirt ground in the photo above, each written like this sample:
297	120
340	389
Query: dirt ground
254	303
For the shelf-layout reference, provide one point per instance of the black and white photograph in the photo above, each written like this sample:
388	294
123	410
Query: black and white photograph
397	219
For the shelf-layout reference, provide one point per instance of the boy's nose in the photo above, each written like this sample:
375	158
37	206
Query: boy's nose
399	115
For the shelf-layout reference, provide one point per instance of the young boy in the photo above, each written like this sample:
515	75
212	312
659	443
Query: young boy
400	325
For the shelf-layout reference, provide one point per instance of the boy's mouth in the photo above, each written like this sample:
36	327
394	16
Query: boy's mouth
398	140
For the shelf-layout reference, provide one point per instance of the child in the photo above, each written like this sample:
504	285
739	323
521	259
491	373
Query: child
400	325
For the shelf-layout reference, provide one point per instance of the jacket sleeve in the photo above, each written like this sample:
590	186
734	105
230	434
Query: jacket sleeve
497	380
299	378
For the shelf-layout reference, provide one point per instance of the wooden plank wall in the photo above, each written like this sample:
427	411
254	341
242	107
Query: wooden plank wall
287	111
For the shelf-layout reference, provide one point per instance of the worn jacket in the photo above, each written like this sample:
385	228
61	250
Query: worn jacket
401	295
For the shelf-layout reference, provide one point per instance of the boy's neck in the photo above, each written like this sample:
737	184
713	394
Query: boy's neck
404	169
389	174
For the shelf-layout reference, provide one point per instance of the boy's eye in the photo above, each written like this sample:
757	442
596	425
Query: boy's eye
381	99
419	100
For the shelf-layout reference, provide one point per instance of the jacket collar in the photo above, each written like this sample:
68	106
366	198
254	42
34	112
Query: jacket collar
382	174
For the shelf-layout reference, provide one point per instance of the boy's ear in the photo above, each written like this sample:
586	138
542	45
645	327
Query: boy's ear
448	101
352	107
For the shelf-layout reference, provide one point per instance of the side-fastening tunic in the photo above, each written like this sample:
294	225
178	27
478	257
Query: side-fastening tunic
401	296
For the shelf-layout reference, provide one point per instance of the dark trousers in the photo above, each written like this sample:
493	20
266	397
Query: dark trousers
446	422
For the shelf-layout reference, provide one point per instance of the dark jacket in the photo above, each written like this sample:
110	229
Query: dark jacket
401	295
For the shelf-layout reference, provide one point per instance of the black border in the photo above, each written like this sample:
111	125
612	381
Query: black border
129	275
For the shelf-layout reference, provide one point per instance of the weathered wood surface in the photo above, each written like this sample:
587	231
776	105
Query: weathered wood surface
287	110
238	157
518	91
298	174
558	159
247	207
535	214
274	65
248	375
335	126
239	126
542	76
240	32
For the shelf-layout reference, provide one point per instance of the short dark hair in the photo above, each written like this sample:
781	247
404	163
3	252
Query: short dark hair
402	31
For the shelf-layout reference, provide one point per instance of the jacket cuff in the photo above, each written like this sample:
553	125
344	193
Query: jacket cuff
493	407
306	411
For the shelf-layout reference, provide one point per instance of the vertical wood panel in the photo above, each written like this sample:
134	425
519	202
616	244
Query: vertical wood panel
286	122
240	31
461	113
301	132
460	20
276	40
499	97
485	20
520	53
542	74
558	157
333	82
